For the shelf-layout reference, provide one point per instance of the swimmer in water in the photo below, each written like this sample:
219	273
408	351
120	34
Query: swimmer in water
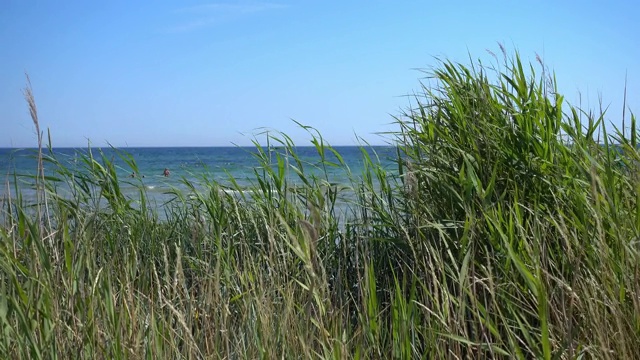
166	172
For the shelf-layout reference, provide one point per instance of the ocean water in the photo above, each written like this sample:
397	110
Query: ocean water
190	163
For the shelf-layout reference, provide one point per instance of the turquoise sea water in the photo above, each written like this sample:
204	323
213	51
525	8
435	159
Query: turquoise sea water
191	163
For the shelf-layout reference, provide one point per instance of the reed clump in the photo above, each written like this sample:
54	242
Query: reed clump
508	230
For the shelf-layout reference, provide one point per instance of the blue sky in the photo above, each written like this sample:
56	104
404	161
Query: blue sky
209	73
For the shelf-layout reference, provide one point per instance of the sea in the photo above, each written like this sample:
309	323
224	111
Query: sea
189	165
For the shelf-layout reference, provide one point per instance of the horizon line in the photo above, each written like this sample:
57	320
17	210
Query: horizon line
183	146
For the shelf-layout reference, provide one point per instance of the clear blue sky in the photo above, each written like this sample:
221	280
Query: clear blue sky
207	73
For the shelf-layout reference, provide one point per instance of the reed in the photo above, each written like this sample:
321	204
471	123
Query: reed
507	231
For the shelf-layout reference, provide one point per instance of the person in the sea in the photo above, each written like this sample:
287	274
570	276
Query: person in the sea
133	174
166	172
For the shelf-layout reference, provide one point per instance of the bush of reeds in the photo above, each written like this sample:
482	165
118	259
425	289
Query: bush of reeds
508	230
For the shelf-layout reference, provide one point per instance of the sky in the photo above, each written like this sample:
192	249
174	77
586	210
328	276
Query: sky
217	73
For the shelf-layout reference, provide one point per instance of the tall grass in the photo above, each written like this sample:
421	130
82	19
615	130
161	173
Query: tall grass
507	231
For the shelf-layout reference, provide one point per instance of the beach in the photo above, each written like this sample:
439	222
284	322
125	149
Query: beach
499	225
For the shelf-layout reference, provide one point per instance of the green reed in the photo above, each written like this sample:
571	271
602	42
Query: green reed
507	230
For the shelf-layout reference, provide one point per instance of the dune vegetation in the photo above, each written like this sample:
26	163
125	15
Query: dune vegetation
510	229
